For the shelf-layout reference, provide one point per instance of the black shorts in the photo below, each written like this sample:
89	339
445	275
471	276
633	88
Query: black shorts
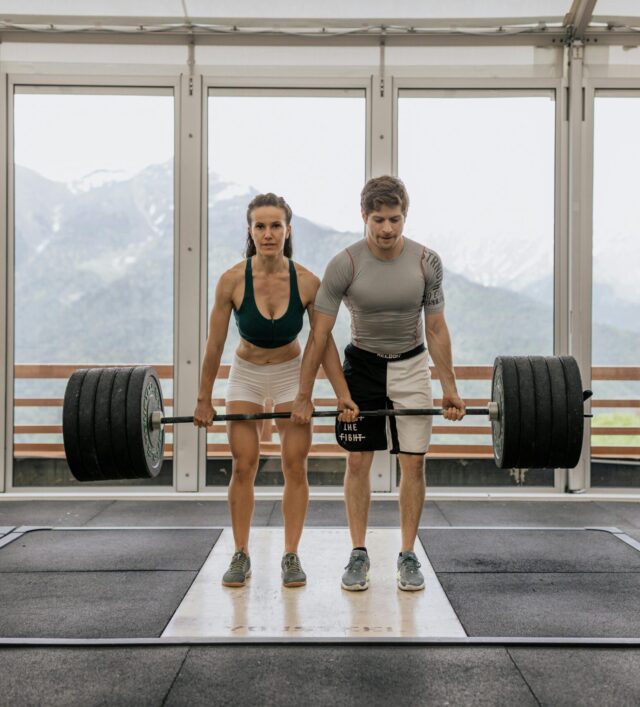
378	382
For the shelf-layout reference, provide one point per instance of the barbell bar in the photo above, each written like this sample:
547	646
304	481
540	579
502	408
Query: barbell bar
157	420
113	417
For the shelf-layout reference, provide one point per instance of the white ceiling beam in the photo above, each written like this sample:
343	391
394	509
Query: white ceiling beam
539	39
578	18
403	23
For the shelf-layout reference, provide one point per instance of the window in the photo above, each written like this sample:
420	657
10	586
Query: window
93	251
479	168
616	288
310	149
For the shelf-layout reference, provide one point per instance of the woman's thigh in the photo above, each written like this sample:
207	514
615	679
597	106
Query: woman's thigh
295	439
244	435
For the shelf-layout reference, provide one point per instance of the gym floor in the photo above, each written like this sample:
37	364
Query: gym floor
120	603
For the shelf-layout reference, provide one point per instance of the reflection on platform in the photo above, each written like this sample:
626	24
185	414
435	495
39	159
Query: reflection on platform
322	609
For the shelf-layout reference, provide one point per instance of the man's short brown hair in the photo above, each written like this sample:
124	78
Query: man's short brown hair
384	191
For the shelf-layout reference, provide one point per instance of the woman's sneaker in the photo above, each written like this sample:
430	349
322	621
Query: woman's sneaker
239	570
292	572
410	579
356	576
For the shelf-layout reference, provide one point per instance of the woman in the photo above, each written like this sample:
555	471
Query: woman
268	294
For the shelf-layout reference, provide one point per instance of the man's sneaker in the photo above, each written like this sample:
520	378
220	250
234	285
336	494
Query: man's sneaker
410	579
292	573
239	570
356	576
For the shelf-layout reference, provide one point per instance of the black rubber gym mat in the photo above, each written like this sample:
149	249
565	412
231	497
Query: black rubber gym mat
372	676
526	550
581	583
574	605
77	677
90	604
98	583
108	550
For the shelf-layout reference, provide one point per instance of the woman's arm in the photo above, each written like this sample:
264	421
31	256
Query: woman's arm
218	328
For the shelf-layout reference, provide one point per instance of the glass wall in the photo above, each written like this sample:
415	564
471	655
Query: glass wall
616	286
94	200
308	148
480	173
479	168
93	237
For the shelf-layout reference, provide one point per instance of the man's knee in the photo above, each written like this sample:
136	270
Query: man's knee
412	466
359	463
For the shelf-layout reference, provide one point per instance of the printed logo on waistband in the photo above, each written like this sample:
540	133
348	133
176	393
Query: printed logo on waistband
388	356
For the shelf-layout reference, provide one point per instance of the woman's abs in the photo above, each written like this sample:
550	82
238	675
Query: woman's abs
261	356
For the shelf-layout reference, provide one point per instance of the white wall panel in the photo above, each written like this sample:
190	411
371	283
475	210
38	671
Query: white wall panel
92	55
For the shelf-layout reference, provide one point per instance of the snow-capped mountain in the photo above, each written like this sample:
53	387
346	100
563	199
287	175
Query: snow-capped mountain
94	274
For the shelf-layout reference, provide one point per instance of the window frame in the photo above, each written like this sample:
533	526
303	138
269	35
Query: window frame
285	87
525	87
17	84
594	88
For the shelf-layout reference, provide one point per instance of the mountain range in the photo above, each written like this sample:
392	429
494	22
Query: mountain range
94	277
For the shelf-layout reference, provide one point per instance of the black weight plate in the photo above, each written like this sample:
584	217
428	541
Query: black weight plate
506	429
86	432
118	418
102	424
527	393
543	412
146	446
70	420
575	411
558	448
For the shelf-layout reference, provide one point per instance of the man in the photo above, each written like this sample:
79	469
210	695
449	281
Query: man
386	281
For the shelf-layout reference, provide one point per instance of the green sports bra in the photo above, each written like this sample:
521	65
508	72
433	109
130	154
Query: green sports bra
269	333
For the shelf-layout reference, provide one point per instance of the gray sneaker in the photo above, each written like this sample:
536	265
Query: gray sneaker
410	579
356	576
292	573
239	570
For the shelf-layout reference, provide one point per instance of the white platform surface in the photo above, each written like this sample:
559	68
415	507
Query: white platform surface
321	609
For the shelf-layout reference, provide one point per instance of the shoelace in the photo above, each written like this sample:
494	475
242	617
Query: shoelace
355	564
292	562
237	562
411	564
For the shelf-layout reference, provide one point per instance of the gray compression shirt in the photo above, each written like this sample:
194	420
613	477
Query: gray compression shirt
386	298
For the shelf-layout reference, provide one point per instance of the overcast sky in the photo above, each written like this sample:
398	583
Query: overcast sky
479	170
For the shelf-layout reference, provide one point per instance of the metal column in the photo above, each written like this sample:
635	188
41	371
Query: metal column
188	258
580	249
5	374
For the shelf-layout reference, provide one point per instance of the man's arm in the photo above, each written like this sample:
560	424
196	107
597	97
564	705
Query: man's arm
333	368
314	352
439	344
337	278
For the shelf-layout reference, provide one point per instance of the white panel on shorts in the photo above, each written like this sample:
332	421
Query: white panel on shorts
409	386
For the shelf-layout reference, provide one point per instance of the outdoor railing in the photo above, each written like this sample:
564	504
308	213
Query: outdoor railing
269	446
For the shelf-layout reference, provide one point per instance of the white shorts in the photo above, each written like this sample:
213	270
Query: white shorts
255	384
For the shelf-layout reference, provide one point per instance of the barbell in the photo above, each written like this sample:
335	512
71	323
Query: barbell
113	418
